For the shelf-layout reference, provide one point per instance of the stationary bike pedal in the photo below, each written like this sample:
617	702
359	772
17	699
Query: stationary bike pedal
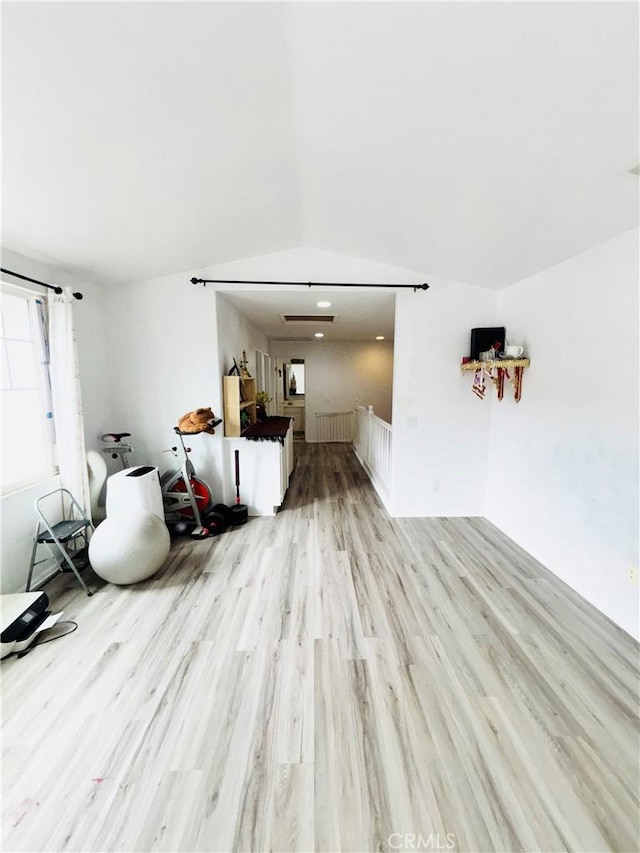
200	533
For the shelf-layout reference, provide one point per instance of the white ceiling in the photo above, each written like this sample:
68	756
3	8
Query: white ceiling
478	142
360	315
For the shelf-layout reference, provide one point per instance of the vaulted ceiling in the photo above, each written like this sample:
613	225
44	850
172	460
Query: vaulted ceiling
480	142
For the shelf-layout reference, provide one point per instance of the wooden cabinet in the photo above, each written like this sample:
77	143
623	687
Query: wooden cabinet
239	397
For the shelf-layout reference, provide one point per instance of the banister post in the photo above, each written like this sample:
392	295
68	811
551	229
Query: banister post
369	428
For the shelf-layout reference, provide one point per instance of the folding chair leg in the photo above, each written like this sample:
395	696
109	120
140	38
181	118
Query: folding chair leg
32	562
72	566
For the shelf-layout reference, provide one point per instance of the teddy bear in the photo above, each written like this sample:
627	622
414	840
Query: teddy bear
200	420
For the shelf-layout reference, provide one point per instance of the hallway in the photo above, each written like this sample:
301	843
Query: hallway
330	679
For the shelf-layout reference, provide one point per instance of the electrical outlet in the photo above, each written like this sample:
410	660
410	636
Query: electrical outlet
632	574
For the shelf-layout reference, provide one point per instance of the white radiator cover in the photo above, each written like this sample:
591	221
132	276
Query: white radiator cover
334	426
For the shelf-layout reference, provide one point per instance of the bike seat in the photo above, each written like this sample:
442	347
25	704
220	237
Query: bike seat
115	436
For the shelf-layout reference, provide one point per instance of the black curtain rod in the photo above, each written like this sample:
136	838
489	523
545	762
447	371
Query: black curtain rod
206	281
53	287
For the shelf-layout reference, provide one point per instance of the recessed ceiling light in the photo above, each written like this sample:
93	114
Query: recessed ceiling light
319	335
379	337
324	304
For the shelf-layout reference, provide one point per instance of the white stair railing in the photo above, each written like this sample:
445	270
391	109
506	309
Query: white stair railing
372	444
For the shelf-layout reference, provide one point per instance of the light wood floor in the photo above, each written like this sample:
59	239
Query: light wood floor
328	680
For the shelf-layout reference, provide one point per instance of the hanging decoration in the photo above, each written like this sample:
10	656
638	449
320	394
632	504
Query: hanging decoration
478	386
496	370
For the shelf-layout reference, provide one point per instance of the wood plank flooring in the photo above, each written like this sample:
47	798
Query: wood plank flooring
331	680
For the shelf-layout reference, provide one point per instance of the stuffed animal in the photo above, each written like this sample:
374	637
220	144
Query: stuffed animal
200	420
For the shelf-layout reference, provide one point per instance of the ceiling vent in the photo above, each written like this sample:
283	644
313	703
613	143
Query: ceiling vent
308	318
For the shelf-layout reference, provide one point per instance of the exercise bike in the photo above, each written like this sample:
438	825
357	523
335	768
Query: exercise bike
118	450
186	498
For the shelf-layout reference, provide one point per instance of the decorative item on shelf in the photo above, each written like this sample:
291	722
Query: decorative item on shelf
262	398
513	351
244	366
245	421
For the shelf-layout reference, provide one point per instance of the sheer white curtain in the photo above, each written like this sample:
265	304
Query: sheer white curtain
67	399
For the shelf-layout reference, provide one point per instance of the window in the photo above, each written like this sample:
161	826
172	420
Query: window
27	424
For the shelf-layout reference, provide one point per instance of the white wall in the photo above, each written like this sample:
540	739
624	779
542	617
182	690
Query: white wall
337	373
163	363
235	334
440	429
563	470
18	515
170	344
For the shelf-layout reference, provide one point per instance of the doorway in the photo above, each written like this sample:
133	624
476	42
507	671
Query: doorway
291	386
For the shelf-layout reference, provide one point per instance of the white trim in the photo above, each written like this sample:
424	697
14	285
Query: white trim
20	289
27	483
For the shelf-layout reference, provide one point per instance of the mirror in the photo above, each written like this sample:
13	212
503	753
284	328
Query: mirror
294	379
